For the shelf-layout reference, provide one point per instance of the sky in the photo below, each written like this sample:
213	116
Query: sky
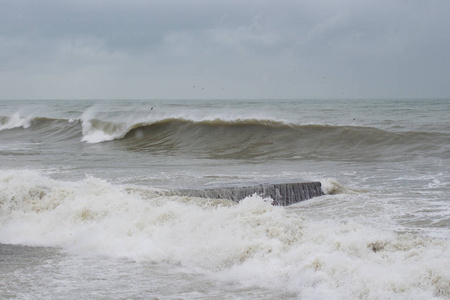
216	49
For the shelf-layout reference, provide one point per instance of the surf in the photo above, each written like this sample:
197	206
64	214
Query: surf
251	242
231	138
14	121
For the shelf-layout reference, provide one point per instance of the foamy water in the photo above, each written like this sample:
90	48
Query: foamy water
252	242
14	121
85	215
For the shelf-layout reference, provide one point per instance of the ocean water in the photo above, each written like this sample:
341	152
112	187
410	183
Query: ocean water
84	211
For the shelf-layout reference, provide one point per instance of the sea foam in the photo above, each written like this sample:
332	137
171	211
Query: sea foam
14	121
251	243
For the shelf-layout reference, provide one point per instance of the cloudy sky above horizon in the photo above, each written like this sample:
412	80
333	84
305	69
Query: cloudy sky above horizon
136	49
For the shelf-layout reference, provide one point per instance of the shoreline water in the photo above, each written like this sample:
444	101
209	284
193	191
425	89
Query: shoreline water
79	199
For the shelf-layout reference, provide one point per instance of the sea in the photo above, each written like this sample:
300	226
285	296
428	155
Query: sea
86	209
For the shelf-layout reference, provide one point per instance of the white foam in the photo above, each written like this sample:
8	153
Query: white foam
252	243
16	120
331	186
94	136
97	131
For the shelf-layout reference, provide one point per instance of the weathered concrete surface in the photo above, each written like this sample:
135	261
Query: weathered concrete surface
282	194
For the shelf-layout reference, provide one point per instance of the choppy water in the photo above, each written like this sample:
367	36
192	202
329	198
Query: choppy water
81	213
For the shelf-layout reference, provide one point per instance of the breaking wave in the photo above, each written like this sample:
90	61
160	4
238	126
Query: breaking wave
14	121
251	241
240	138
246	138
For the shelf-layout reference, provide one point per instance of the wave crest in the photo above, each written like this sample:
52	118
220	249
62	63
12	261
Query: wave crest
239	138
14	121
96	131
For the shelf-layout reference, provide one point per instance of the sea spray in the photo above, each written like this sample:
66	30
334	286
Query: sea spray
14	121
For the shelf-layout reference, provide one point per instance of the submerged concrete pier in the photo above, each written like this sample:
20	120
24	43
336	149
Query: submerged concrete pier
282	194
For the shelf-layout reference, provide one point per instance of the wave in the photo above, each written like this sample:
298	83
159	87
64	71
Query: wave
252	241
14	121
240	138
40	129
266	138
96	131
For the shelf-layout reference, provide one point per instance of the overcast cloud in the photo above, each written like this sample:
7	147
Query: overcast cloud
138	49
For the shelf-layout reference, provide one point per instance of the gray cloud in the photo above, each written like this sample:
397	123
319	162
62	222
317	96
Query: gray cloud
231	49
